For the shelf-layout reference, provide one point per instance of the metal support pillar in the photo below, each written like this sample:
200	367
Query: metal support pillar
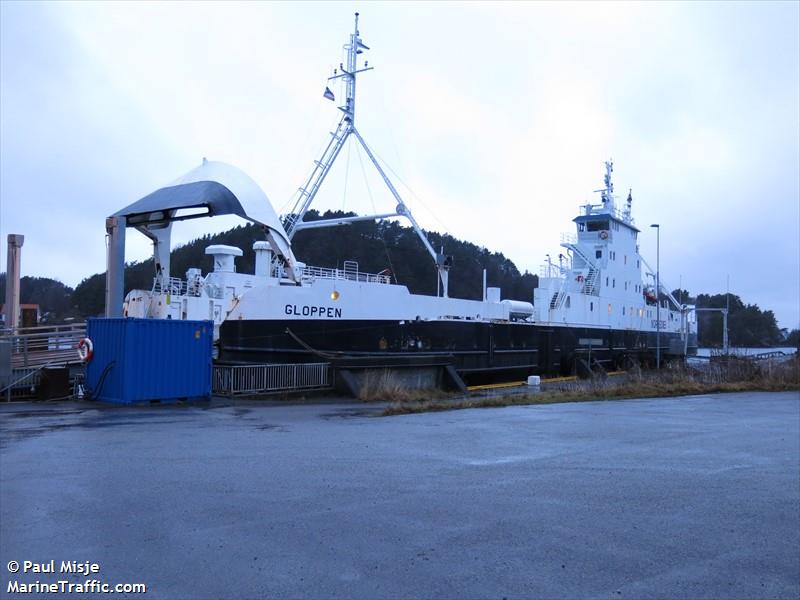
15	242
161	237
115	266
725	347
658	294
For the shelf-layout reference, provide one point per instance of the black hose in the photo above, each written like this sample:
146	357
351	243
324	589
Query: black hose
102	380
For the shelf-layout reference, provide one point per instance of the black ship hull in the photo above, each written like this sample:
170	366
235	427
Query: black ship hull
480	352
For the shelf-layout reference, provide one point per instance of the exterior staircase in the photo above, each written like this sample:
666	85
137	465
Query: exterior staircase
590	286
558	299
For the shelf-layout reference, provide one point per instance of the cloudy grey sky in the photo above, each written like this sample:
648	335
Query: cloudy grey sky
497	118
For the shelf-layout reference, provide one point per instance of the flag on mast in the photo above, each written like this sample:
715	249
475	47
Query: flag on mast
328	94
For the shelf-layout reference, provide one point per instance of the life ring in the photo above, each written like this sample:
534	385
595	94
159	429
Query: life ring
85	349
603	235
579	278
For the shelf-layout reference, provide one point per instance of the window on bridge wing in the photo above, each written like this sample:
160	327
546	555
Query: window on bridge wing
597	226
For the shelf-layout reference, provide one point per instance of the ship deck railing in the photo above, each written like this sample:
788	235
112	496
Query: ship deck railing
568	237
181	287
349	274
601	209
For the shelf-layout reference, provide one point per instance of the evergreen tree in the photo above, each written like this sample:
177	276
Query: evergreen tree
53	297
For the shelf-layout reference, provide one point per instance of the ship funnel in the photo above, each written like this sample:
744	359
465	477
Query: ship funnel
263	252
224	257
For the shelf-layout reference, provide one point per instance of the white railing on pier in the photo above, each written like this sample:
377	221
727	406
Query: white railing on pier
232	380
33	347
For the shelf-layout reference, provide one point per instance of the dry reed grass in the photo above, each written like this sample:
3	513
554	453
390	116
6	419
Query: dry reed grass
734	375
384	386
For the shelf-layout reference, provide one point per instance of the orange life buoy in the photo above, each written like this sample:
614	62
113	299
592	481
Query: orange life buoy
85	349
603	235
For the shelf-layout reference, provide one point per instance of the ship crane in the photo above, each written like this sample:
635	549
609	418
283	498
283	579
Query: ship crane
293	221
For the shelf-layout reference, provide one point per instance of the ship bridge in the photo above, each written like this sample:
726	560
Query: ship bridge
601	224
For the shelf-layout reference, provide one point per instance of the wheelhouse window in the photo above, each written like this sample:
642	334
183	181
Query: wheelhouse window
597	226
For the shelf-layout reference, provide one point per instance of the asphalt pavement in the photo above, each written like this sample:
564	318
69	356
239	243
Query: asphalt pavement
693	497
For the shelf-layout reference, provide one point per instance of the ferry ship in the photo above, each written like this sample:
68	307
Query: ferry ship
601	307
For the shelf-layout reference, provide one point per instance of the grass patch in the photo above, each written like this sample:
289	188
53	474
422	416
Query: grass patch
734	375
385	386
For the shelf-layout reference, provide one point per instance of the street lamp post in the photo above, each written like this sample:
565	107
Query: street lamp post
658	294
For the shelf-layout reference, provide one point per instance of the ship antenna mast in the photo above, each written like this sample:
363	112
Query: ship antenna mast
608	193
293	221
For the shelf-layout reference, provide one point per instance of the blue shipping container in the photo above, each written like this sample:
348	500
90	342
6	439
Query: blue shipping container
145	360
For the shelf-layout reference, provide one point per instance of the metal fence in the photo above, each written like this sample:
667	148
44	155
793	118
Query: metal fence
231	380
22	383
46	345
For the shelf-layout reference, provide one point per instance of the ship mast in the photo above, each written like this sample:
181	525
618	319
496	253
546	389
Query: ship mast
293	221
607	194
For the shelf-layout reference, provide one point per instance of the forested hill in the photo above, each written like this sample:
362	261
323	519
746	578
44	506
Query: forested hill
379	246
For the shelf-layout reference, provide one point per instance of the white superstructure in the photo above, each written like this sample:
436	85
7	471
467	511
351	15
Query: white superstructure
600	282
603	280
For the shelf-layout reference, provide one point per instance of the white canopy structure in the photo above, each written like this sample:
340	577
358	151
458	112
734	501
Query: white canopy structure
212	189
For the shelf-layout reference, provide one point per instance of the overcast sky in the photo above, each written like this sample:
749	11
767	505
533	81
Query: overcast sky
496	117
